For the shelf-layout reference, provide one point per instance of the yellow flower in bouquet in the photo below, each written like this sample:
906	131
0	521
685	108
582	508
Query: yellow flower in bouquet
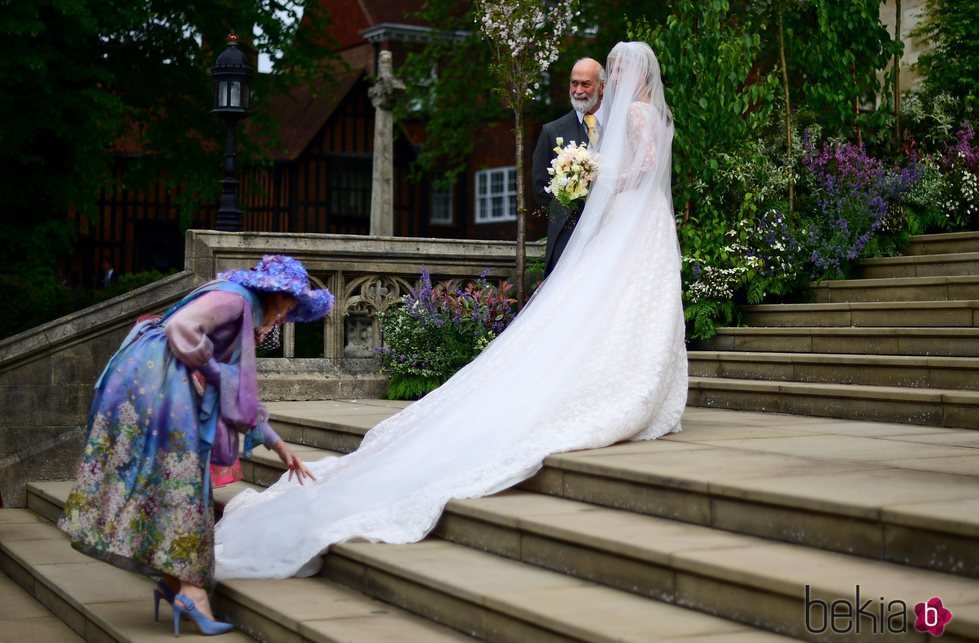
572	171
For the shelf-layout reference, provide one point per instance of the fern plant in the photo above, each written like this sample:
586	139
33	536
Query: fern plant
706	316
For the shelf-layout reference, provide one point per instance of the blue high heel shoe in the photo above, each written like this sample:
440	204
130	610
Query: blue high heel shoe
161	591
184	605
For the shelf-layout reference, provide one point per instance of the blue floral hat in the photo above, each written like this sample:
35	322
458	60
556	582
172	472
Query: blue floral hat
279	273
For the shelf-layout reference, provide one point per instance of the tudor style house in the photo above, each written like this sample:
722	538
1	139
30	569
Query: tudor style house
317	179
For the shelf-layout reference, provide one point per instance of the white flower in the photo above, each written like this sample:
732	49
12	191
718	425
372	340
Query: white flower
572	171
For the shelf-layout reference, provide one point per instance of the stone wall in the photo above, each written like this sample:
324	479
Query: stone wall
47	373
46	380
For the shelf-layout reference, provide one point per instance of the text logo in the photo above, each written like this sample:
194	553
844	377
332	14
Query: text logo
931	616
844	616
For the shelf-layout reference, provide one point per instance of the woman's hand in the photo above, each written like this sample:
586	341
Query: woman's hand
292	461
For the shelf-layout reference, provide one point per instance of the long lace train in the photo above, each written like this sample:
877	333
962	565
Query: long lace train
596	357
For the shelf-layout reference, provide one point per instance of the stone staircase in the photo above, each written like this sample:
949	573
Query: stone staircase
744	527
98	602
712	534
899	345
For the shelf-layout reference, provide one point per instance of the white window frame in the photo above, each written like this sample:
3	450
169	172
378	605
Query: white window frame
449	201
486	206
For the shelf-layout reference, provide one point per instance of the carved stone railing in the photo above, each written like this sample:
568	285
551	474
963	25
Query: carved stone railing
365	274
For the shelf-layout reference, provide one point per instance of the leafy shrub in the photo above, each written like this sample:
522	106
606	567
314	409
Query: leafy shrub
928	121
747	249
436	331
855	200
738	247
924	202
759	258
960	165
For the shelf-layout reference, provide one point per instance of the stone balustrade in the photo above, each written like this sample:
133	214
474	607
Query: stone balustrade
365	274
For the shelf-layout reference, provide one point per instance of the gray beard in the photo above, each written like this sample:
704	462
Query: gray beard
584	106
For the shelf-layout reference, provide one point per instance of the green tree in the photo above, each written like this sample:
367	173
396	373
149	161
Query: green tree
775	11
897	73
448	89
840	48
601	24
828	55
707	61
951	27
523	37
58	119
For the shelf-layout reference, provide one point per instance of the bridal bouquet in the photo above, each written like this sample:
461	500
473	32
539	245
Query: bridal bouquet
572	171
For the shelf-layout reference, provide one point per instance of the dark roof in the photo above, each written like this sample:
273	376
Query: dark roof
302	113
350	17
394	11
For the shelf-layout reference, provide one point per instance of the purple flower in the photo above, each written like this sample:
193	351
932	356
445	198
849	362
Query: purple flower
853	193
963	153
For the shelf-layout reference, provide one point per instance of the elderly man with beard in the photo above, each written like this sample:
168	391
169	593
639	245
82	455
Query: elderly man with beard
587	87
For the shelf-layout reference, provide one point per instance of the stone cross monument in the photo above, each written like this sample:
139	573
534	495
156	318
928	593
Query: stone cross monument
383	94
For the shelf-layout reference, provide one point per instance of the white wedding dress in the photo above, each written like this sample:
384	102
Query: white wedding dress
596	357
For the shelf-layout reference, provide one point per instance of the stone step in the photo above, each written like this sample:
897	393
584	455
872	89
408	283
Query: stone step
497	599
24	618
321	610
103	603
932	407
752	580
780	477
95	600
947	243
952	373
693	566
336	426
783	477
964	263
936	342
480	594
903	289
919	314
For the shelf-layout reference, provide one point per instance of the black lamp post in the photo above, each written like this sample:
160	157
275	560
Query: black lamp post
231	74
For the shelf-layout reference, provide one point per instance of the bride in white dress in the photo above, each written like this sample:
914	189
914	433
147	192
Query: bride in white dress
596	357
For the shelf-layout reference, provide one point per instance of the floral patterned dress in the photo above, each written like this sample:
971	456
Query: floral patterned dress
141	501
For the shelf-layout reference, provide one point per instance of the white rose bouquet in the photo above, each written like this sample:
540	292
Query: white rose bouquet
572	171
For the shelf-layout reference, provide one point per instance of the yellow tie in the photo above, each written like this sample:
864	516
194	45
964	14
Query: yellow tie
592	124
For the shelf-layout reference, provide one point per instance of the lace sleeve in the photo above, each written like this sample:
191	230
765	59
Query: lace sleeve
643	156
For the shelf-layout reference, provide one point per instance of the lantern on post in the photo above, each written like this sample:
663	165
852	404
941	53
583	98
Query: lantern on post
231	75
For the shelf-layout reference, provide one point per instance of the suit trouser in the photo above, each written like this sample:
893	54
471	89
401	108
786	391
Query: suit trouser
560	242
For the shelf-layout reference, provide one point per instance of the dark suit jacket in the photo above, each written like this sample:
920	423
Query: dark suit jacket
558	231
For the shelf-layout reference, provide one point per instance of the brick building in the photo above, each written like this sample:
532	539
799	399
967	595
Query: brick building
319	179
